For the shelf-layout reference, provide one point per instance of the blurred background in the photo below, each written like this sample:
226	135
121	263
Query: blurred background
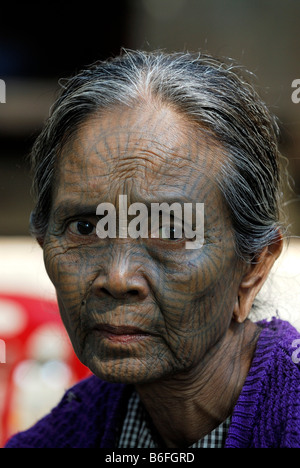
41	43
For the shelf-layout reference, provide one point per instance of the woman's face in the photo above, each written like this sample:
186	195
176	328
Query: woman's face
139	310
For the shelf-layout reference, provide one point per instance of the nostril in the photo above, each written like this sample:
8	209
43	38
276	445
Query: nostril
120	286
118	293
125	294
104	291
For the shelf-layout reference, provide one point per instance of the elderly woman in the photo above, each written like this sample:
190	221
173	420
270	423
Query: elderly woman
164	328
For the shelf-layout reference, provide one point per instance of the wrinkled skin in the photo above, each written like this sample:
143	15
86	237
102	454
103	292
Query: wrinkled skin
183	301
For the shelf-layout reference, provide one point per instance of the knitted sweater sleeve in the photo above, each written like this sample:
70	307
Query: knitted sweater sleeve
267	414
86	417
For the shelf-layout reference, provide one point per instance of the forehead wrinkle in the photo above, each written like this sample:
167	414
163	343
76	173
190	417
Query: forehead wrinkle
103	153
153	145
116	162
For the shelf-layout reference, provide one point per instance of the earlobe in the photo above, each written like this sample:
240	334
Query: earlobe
243	304
254	279
236	310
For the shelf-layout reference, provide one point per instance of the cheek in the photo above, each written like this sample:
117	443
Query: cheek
200	303
70	269
70	273
65	271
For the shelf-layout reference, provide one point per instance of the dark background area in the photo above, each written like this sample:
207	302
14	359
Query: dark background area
49	40
40	43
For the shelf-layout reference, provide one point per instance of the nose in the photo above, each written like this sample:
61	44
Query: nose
121	279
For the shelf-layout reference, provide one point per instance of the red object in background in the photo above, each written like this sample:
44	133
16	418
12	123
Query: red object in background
31	330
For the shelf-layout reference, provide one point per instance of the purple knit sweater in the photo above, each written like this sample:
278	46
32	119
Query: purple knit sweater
266	415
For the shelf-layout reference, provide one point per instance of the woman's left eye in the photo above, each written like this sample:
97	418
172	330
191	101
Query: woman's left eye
84	228
170	232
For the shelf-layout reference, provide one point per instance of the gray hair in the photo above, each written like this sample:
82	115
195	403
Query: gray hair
205	89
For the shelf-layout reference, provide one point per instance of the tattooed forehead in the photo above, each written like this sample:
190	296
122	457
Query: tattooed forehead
155	148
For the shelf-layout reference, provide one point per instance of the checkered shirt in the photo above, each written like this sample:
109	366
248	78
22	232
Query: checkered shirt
137	432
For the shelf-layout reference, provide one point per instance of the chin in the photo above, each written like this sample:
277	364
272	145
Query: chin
123	371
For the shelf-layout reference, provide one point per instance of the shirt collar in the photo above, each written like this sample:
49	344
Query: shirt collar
137	431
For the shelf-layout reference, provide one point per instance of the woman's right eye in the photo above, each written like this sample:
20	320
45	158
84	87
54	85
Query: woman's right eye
82	228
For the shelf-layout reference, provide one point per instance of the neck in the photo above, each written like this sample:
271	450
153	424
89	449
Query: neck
186	407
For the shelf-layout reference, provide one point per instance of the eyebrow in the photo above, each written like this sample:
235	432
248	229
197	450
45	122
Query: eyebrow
68	208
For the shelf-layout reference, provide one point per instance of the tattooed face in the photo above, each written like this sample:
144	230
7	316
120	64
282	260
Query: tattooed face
138	310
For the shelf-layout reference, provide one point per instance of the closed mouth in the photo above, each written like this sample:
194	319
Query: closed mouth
121	329
121	333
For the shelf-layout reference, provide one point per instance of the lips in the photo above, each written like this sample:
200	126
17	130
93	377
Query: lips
121	334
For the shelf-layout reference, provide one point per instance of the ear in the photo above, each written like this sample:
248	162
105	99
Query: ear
254	279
